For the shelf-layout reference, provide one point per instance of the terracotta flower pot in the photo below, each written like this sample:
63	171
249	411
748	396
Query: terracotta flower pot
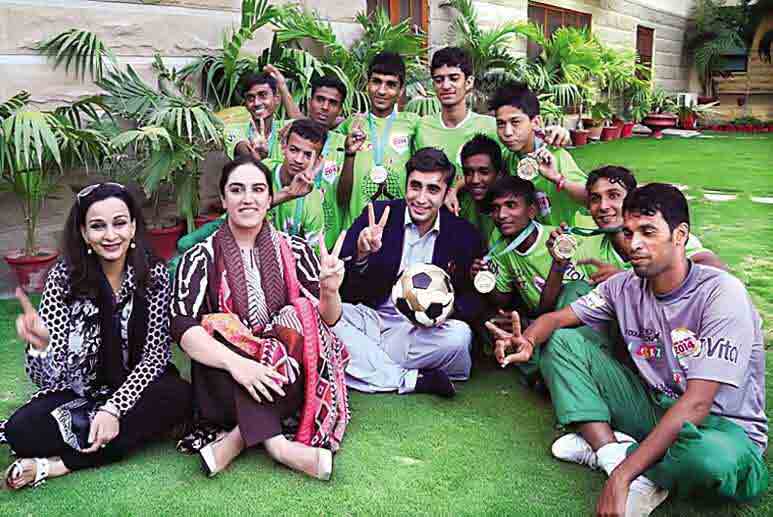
164	240
579	137
610	133
657	122
627	131
31	271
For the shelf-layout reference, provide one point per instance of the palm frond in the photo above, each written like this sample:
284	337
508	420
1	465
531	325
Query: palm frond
152	137
128	95
81	49
31	140
84	111
14	104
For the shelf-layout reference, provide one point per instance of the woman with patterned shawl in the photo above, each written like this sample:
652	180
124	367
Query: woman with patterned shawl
252	307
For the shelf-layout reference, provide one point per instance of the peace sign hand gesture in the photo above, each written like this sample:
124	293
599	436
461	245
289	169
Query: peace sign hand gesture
258	143
303	182
504	341
331	271
29	324
369	240
356	137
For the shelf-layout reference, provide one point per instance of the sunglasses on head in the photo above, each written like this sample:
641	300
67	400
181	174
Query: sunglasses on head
88	189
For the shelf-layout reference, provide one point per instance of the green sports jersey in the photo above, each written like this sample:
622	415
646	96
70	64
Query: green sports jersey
397	151
432	132
608	253
239	128
528	271
469	210
556	207
326	180
302	216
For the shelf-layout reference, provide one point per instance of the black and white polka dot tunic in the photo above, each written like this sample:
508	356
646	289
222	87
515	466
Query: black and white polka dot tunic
71	359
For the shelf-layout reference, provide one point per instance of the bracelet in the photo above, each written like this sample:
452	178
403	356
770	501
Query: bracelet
110	412
561	183
349	155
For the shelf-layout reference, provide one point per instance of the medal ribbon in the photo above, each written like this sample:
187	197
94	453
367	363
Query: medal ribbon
295	223
321	170
590	232
379	145
514	244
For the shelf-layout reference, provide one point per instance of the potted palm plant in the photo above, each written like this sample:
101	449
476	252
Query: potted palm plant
172	131
35	146
662	115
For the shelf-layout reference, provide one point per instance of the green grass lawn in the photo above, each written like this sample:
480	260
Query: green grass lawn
485	452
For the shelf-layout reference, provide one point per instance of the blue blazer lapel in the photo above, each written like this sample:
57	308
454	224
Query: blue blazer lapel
441	256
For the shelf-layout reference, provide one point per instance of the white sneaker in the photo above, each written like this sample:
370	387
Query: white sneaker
574	448
643	497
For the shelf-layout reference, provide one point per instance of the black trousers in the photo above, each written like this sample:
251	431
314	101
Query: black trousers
33	433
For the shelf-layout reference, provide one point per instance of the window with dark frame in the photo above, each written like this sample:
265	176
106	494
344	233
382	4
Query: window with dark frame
398	10
551	18
644	42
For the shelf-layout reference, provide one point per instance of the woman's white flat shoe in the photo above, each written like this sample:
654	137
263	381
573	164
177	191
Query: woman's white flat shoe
324	464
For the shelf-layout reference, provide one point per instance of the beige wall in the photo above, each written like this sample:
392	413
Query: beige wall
614	21
178	29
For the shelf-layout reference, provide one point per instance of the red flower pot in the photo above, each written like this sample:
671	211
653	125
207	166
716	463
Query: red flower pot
164	240
579	137
610	133
627	131
688	121
657	122
31	271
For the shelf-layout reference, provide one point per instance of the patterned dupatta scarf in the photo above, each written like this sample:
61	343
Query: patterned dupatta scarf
325	411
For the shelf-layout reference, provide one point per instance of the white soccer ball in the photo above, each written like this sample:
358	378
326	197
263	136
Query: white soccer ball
423	293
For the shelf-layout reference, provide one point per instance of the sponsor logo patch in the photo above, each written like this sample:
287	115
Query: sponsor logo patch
720	348
685	343
649	351
329	171
400	143
543	203
594	300
538	282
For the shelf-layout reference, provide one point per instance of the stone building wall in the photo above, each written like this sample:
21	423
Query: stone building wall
134	29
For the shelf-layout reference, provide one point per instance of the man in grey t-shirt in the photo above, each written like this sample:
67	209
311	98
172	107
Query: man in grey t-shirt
696	397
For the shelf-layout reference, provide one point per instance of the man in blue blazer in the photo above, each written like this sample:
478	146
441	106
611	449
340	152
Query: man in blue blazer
387	351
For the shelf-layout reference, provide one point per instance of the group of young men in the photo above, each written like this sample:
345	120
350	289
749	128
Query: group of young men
650	348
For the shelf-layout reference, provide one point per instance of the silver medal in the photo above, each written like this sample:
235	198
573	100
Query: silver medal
565	246
484	281
379	174
528	168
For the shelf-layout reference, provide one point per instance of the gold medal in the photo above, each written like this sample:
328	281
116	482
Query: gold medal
528	168
379	174
484	281
565	246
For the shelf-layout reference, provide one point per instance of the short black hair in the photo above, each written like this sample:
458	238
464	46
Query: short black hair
244	159
517	95
388	63
308	130
430	159
511	186
659	197
452	57
482	144
328	81
615	174
252	79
